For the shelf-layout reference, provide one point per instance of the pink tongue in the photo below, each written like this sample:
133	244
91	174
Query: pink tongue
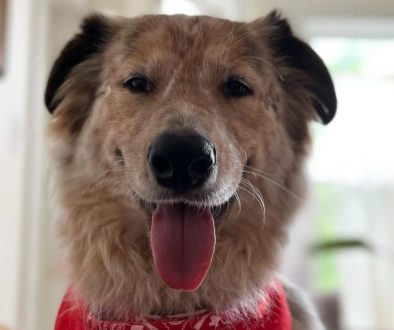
183	242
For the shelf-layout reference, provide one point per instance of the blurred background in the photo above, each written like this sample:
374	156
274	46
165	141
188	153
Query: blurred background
342	244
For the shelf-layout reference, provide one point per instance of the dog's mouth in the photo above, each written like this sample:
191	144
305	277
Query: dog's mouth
217	210
183	241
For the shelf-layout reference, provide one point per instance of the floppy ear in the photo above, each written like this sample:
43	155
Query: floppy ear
96	30
298	55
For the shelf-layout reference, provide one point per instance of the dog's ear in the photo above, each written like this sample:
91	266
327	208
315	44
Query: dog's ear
95	32
296	54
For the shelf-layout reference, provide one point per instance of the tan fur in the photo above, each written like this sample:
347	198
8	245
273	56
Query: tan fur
103	226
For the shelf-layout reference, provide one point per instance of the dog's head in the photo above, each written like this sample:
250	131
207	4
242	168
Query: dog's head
179	143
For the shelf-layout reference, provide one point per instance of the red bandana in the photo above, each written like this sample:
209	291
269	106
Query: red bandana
274	314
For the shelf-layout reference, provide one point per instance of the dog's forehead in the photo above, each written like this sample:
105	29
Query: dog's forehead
186	37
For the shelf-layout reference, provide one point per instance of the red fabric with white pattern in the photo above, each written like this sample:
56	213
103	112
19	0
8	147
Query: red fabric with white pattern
273	314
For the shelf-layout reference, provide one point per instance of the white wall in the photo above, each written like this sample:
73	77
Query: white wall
12	136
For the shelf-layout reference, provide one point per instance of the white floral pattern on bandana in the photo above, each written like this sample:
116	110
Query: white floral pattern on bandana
205	321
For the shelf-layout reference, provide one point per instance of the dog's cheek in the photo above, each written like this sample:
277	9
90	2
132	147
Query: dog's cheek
230	156
132	138
92	144
246	132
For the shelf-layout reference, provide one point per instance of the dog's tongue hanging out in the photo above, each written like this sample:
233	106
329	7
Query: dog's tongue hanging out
183	243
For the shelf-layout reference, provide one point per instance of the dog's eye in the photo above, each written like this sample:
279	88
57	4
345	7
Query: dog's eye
138	84
236	87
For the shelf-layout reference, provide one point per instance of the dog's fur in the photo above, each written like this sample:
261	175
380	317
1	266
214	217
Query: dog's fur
100	133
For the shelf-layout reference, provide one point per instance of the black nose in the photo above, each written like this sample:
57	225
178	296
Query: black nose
181	162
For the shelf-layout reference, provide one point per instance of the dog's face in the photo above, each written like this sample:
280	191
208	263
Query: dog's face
179	144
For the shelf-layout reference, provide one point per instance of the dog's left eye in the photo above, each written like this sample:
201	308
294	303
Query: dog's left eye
138	84
236	87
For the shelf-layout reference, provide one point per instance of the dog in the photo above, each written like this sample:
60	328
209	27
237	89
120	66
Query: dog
178	144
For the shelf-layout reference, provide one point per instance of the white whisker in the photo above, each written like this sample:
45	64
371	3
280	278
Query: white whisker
258	195
255	193
238	203
254	169
294	195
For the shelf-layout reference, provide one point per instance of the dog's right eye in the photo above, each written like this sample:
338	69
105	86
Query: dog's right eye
138	84
236	87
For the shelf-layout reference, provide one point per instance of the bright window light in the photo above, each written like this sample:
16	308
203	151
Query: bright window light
356	148
171	7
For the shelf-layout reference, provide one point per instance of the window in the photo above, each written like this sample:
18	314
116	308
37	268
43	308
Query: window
352	167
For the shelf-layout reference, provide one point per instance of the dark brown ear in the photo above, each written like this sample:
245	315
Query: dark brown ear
298	55
96	30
